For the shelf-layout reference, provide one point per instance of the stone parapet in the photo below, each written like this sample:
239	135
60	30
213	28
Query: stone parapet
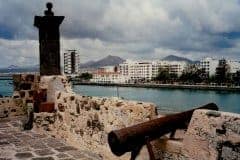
213	135
10	107
54	84
24	86
86	121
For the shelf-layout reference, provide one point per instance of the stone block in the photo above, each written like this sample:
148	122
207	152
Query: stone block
23	155
10	107
46	107
213	135
25	86
22	94
30	78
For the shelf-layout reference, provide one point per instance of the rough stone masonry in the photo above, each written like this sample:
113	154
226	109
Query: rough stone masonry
83	122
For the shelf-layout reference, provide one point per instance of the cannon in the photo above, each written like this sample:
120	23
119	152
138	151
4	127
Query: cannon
132	138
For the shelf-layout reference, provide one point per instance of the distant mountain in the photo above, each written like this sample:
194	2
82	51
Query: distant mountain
19	69
176	58
12	67
107	61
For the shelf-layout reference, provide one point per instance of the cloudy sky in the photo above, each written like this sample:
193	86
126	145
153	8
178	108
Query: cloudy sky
135	29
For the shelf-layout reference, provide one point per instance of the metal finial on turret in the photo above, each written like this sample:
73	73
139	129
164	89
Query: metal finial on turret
49	11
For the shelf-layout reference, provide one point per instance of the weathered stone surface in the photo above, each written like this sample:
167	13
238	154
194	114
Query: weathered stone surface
62	155
43	158
166	148
44	152
65	148
10	107
217	136
18	144
54	84
23	155
85	121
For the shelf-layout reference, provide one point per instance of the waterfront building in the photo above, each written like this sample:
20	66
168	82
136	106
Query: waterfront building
234	66
222	70
173	67
108	69
109	77
209	65
71	62
147	70
87	70
137	70
109	74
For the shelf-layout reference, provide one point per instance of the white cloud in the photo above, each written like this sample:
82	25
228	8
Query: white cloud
18	52
127	28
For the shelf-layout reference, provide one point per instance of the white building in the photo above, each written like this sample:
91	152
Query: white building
209	65
174	67
71	62
109	77
137	70
109	74
108	69
147	70
234	66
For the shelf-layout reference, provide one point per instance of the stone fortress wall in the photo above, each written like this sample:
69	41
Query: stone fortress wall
24	89
10	107
84	121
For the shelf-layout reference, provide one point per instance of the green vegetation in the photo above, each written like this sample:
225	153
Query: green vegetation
82	77
193	75
85	76
165	77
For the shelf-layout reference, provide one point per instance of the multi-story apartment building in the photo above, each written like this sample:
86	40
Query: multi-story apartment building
147	70
174	67
71	62
209	65
109	77
137	70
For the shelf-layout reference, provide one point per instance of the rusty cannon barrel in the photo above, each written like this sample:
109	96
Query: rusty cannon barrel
129	138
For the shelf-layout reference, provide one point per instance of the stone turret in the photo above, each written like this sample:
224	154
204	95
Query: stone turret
49	40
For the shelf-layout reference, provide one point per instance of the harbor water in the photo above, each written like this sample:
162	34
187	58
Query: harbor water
167	100
6	87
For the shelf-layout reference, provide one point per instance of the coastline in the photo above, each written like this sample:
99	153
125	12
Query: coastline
166	86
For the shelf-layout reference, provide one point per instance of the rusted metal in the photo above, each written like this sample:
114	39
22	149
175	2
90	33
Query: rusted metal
130	138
